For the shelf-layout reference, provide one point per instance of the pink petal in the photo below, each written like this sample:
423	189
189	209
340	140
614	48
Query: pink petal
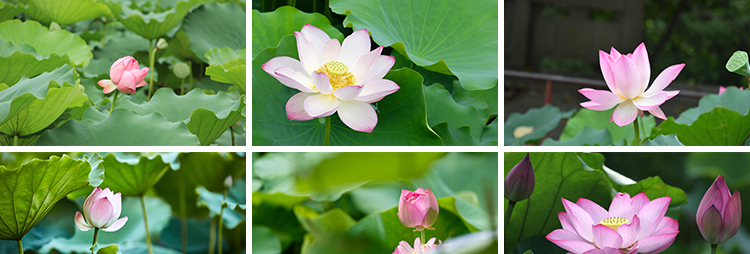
95	195
606	237
580	219
409	214
649	102
609	76
664	78
320	105
140	75
381	67
621	207
595	106
354	46
359	116
108	85
671	94
651	215
716	195
638	201
597	212
722	89
433	200
567	240
348	92
640	58
658	113
127	83
320	80
282	61
565	221
627	78
614	54
364	63
376	90
116	225
656	243
308	56
293	79
403	247
115	72
100	213
630	231
314	35
667	222
295	109
600	97
81	222
732	216
331	51
625	113
116	201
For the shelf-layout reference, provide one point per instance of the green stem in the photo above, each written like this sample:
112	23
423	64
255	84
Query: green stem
190	77
511	204
211	237
182	86
145	222
15	139
183	210
328	130
328	12
422	239
113	102
104	30
637	133
221	220
231	130
713	248
412	66
643	129
151	54
20	247
96	233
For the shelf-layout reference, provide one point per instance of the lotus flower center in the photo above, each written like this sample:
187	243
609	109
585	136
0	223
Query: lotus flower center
614	222
338	74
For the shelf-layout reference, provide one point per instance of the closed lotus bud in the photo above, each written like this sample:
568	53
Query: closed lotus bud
181	70
228	182
418	209
519	183
719	213
161	43
101	210
125	76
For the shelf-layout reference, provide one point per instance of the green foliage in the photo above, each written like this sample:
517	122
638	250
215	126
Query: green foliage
542	120
132	180
152	25
215	25
39	37
227	66
66	12
599	120
286	20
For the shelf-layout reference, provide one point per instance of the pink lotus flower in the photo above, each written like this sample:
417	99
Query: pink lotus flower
404	247
519	183
418	209
334	78
101	210
722	89
125	76
634	225
627	77
719	213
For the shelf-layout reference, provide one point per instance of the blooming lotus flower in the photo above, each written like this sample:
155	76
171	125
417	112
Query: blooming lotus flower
519	183
631	225
334	78
418	209
101	210
125	76
719	213
627	77
404	247
722	89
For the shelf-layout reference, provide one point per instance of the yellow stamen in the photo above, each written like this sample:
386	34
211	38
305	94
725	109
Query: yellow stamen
614	222
338	74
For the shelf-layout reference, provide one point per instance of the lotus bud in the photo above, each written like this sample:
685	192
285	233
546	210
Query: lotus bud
519	183
418	209
719	213
101	210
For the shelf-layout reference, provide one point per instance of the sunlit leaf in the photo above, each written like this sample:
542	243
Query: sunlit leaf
66	12
46	42
286	20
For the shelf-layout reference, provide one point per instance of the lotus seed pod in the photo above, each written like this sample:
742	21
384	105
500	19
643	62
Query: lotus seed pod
162	44
181	70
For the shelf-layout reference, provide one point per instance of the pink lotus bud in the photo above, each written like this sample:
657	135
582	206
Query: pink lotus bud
719	213
101	210
125	76
418	209
419	248
519	183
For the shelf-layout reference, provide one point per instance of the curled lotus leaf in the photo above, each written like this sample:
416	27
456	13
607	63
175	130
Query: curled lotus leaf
46	42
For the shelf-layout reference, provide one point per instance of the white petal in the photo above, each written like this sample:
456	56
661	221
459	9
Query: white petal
317	37
625	113
364	64
376	90
321	105
381	67
81	222
282	61
348	92
295	107
308	56
321	82
116	225
331	51
359	116
354	46
293	79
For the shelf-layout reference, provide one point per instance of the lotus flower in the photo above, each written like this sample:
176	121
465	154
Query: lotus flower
334	78
404	247
418	209
631	225
627	77
125	76
719	213
722	89
101	210
519	183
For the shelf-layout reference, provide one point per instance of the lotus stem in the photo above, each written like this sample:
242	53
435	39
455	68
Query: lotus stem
182	86
145	222
183	209
637	133
96	233
20	246
643	129
328	130
190	77
422	239
221	220
15	139
713	248
113	102
231	130
511	204
151	55
211	237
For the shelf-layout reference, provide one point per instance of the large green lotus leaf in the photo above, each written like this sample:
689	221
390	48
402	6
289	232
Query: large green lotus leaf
655	188
34	104
119	129
441	108
9	10
152	25
227	66
718	127
599	120
55	224
65	12
23	61
266	242
663	140
542	120
216	25
401	117
133	233
234	212
285	21
132	179
46	42
193	173
733	99
588	136
29	192
455	137
557	175
206	116
450	37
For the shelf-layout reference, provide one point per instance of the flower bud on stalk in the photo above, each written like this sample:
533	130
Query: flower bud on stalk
519	183
720	213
